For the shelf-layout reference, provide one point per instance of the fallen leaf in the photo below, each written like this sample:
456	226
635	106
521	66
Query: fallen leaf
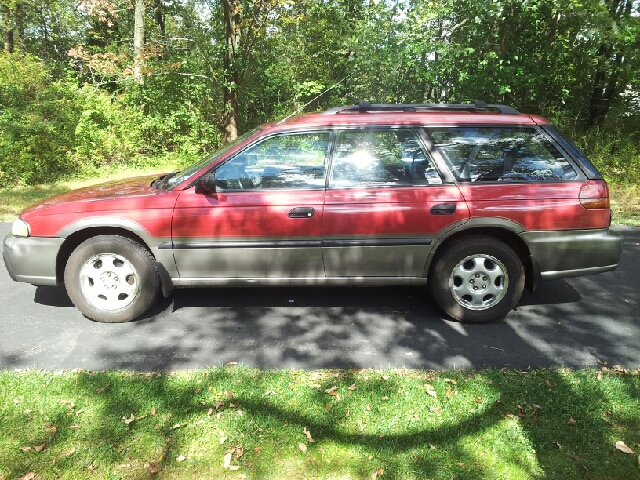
352	387
384	399
153	412
229	394
302	447
74	426
153	469
226	460
127	421
449	392
71	452
28	476
52	430
25	449
461	464
571	421
231	364
233	405
308	434
209	412
218	405
385	377
39	448
102	389
332	391
269	392
575	457
240	413
257	450
377	473
430	390
549	384
448	380
558	445
222	440
536	407
180	458
599	376
623	448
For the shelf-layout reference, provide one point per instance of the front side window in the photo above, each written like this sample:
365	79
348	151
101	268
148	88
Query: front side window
285	161
376	157
500	154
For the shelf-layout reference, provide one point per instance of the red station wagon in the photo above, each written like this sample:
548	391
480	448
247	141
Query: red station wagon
477	201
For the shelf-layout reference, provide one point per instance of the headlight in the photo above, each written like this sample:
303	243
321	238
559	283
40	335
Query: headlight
20	228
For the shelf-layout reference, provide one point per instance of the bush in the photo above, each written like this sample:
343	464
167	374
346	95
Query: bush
52	129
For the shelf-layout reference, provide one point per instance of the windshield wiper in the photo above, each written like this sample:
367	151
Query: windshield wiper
161	181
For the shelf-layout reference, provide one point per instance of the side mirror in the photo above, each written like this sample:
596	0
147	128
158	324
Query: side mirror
207	184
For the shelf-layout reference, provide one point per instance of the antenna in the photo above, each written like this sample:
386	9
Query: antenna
315	98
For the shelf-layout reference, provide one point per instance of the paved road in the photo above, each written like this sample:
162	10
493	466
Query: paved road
576	322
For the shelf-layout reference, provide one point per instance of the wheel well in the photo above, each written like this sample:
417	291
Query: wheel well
76	238
511	239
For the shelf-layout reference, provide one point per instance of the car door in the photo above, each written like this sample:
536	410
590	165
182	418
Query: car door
384	205
264	221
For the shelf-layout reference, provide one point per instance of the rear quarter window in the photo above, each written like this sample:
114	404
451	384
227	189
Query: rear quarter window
500	154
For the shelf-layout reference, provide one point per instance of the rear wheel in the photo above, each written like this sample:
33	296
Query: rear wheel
477	279
110	278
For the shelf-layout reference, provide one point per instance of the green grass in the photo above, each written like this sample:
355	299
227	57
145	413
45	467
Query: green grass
394	424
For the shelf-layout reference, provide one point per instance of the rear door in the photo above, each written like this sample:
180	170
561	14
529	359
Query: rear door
384	205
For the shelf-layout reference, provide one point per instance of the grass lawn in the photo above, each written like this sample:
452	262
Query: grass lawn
242	423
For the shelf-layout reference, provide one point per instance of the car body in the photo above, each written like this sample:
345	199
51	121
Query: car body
476	200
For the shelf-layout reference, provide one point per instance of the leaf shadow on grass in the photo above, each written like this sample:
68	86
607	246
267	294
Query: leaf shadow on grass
513	433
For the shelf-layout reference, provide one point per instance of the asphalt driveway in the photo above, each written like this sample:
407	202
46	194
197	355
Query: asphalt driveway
581	322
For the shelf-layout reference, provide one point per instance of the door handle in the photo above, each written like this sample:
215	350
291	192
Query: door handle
301	212
443	209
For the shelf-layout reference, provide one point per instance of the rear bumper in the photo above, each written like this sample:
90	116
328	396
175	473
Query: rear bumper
574	253
31	259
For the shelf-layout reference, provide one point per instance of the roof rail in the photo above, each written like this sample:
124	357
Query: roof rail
476	106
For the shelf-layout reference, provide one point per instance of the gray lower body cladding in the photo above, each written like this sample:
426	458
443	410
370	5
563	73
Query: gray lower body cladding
572	253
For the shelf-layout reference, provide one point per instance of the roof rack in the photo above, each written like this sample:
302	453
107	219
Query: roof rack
476	106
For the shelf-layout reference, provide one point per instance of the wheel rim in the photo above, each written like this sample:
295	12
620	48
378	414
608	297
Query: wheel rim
479	282
109	281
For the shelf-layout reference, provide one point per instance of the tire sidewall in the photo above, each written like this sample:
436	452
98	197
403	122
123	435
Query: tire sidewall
450	258
133	252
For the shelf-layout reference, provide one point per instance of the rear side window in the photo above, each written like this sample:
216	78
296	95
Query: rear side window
500	154
587	166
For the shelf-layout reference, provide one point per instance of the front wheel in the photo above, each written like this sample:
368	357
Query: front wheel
111	279
477	279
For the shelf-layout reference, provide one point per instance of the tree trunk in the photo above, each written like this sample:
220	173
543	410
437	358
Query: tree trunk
7	30
138	42
232	19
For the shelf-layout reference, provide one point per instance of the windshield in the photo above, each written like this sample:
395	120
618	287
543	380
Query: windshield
167	182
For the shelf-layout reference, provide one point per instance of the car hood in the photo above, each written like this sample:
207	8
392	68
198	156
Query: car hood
87	198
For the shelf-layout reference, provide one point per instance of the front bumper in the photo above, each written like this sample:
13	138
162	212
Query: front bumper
31	259
574	253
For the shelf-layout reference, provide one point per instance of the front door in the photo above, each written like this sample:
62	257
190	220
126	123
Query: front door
265	219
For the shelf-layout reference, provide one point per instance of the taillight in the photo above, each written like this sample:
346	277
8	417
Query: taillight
594	194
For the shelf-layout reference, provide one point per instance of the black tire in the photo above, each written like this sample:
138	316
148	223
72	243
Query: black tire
477	279
112	279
